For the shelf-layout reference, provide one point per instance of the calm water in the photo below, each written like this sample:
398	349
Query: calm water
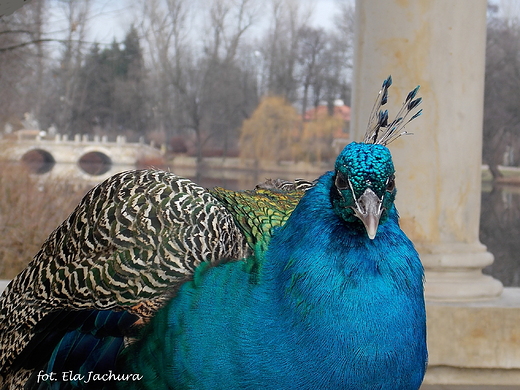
500	232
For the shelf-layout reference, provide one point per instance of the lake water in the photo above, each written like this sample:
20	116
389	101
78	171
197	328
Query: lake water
500	232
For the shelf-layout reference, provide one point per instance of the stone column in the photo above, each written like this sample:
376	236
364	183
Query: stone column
440	45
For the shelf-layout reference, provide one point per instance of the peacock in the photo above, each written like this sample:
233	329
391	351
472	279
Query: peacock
155	282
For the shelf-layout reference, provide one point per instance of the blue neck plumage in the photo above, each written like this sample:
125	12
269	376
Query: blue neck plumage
332	245
343	288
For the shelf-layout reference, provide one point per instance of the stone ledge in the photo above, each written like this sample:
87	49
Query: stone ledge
475	342
472	377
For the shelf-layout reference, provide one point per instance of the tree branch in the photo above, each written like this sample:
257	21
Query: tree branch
17	32
36	41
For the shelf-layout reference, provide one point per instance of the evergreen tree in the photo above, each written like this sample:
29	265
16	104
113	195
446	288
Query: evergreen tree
112	89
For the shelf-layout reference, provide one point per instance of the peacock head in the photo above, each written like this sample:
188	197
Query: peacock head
364	182
364	185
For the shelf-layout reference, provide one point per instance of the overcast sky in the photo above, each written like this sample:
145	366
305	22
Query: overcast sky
111	18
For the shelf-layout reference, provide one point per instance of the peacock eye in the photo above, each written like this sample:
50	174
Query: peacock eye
390	183
341	181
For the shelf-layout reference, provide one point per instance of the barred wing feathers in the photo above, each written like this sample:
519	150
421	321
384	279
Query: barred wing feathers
128	245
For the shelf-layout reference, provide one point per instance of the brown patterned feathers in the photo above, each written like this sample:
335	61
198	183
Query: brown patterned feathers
130	243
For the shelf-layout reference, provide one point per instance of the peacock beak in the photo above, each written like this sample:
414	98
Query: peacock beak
368	210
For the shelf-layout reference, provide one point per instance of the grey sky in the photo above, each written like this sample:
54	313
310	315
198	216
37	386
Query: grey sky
113	17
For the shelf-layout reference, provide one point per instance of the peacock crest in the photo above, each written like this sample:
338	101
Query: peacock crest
379	130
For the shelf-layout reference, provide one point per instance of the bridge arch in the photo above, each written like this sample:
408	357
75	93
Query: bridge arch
38	161
95	162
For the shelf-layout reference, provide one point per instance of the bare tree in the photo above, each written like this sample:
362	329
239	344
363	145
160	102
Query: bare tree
343	46
77	17
165	31
344	23
223	101
228	20
312	48
21	61
195	84
281	45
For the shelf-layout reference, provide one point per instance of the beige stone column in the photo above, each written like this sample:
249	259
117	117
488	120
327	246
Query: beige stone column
440	45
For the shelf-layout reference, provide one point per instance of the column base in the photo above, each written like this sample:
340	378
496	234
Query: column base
457	286
453	273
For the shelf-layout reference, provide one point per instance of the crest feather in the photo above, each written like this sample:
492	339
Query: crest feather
379	131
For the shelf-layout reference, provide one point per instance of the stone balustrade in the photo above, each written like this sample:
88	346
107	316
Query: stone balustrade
69	154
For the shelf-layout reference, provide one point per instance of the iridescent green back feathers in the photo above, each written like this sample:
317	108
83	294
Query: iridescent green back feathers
259	212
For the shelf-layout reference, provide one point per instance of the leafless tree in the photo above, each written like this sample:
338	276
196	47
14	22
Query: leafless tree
164	29
312	49
197	85
281	46
21	61
76	14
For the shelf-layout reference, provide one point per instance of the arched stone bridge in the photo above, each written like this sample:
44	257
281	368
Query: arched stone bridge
83	157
